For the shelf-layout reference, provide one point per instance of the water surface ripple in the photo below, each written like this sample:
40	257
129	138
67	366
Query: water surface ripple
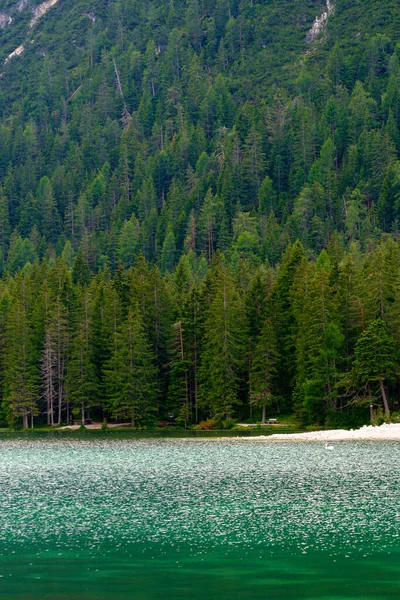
180	502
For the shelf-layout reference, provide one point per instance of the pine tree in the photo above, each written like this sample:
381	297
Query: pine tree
263	369
51	223
208	224
256	301
81	383
105	317
130	374
4	223
381	276
319	339
350	301
128	242
68	254
376	362
48	373
224	350
81	271
190	313
178	389
253	166
168	253
151	292
266	197
21	373
282	314
54	362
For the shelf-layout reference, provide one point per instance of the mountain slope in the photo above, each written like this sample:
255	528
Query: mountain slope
187	77
197	172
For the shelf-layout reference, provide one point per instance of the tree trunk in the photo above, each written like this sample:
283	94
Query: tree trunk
250	388
60	399
133	419
25	420
384	399
371	412
60	382
196	406
264	410
83	413
51	405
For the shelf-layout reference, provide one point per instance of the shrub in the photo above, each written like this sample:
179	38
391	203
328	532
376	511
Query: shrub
395	417
206	425
379	418
229	423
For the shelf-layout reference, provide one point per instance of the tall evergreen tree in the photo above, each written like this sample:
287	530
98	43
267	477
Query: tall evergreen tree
131	373
21	391
376	363
81	383
224	350
263	369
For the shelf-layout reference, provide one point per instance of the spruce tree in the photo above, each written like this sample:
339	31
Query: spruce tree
282	314
130	374
48	373
319	340
21	390
168	253
376	363
178	389
81	382
55	358
224	352
263	369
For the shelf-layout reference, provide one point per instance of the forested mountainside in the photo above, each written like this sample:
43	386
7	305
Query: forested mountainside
199	209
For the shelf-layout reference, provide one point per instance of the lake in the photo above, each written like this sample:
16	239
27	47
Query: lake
112	517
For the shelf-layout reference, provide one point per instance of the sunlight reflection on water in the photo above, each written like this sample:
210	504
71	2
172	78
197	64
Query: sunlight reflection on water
97	493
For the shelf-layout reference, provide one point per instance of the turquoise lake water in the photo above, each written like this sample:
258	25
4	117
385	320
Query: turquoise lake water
120	517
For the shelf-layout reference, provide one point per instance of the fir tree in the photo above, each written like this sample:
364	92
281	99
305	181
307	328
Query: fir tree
178	389
375	363
131	373
263	369
21	367
81	383
224	350
54	365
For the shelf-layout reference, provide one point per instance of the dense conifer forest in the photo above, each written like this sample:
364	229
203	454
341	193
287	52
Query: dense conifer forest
199	210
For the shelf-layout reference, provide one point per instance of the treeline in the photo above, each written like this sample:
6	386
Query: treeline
229	339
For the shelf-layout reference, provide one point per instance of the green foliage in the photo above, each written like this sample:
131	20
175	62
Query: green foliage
376	361
81	383
375	354
264	369
21	390
130	374
199	210
224	349
160	119
228	423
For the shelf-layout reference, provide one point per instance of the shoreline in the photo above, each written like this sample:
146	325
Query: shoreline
386	432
